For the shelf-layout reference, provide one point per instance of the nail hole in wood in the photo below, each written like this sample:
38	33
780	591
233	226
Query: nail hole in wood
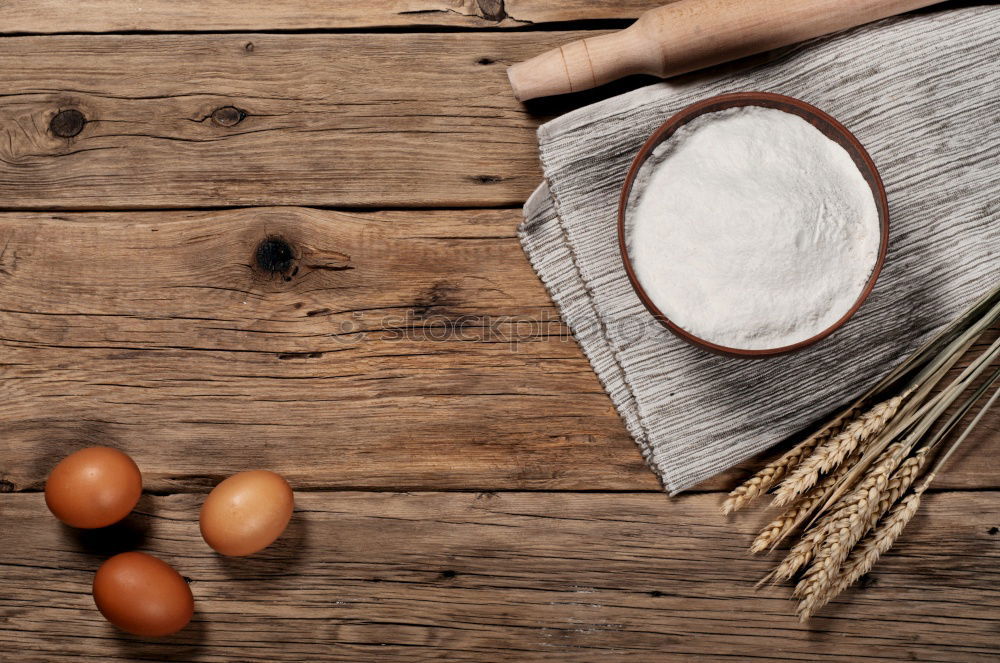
484	61
228	116
67	123
274	256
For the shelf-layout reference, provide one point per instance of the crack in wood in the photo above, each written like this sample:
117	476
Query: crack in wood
489	10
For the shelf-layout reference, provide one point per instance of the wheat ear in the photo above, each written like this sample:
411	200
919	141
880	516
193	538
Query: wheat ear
833	451
899	483
847	525
867	553
783	525
979	316
864	556
804	549
776	470
797	557
904	477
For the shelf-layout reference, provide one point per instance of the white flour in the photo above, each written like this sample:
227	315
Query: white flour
751	229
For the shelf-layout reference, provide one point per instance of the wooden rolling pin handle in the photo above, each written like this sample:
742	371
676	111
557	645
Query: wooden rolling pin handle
584	64
691	34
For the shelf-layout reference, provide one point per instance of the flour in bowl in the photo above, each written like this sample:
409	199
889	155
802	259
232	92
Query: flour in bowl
750	229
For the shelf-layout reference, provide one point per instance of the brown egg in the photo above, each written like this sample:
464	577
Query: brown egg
143	595
246	512
94	487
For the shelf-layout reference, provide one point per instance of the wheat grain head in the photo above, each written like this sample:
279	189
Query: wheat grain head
867	553
834	450
776	470
780	527
848	525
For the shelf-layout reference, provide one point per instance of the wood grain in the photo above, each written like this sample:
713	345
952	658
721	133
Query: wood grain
390	345
381	351
51	16
244	119
513	576
392	350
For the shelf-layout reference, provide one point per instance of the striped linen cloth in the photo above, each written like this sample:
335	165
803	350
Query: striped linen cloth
922	93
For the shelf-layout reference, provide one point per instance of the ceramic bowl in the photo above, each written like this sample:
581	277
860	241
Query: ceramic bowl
830	128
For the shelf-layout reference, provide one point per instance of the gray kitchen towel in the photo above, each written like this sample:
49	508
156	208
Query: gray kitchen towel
922	93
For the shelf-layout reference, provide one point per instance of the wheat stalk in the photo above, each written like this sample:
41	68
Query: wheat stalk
900	482
863	558
812	541
944	352
776	470
926	361
833	451
776	530
798	556
919	415
858	476
805	548
780	527
904	477
845	526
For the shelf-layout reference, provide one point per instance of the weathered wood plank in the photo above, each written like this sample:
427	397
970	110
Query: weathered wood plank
399	350
514	576
409	120
52	16
387	352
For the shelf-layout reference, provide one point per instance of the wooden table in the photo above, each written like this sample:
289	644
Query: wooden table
282	235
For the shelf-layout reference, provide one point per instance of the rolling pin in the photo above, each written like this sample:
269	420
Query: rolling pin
689	35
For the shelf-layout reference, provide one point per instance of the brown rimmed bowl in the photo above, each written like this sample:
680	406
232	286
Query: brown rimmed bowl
832	129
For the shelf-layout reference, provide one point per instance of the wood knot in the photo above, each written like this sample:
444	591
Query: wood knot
492	10
274	256
67	123
228	116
